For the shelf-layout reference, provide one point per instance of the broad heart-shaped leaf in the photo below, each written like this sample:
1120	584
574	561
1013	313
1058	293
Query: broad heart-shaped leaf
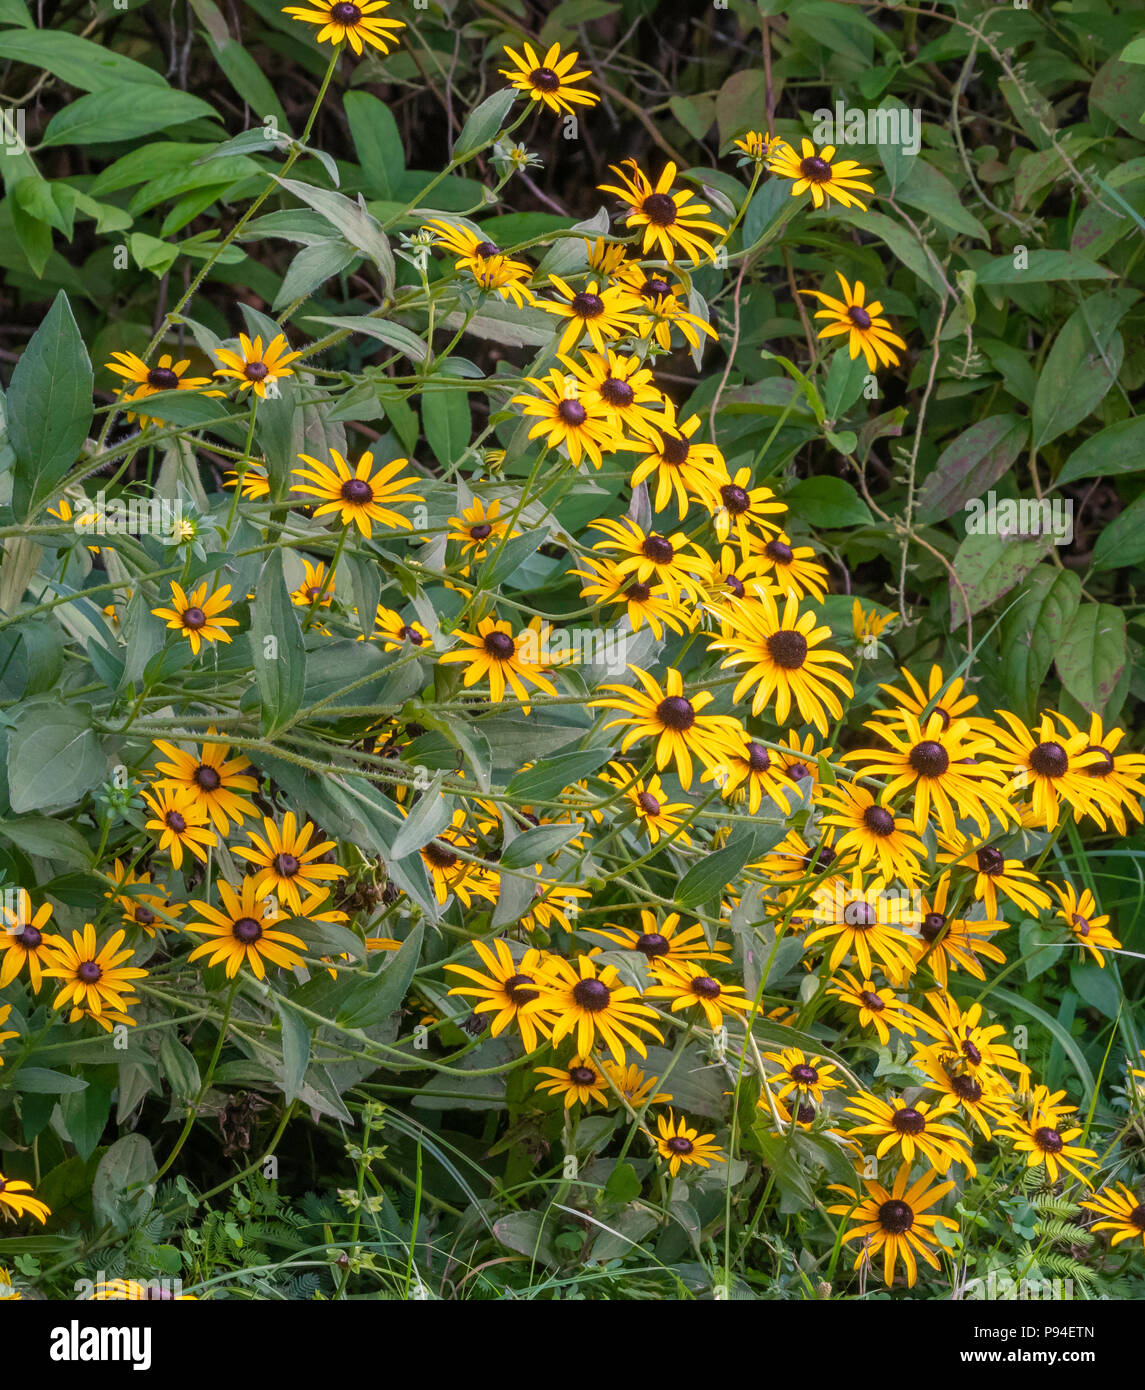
971	464
122	113
350	218
1092	654
1030	632
49	406
989	566
54	757
1116	450
277	647
1081	367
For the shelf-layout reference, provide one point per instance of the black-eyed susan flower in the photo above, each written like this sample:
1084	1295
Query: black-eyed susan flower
947	942
867	331
620	390
731	574
1119	775
643	602
868	625
801	1075
357	24
897	1221
254	368
947	698
395	633
819	173
198	615
688	985
984	1100
214	780
509	989
94	977
145	905
255	481
317	586
740	510
798	758
651	558
975	1046
1048	1147
787	663
865	921
566	421
877	1006
16	1201
591	1003
748	773
179	821
673	219
496	653
672	718
493	271
681	466
601	313
663	940
756	147
1079	912
792	569
166	375
477	528
6	1034
130	1290
1053	764
993	873
243	930
579	1081
681	1144
549	80
1121	1212
638	1090
650	805
871	832
605	257
449	871
912	1129
360	496
25	941
288	861
662	310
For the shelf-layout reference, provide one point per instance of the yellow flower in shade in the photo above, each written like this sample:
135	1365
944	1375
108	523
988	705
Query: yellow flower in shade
493	271
242	931
255	484
648	800
198	615
1047	1146
792	569
749	772
593	1003
681	468
477	527
963	1039
6	1033
317	586
867	332
579	1080
786	661
756	146
94	978
509	990
1079	912
819	172
87	520
654	604
688	985
872	832
681	1144
360	496
805	1077
634	1087
672	219
897	1222
16	1201
662	309
663	942
602	314
495	652
953	943
1119	776
868	625
168	375
984	1100
1122	1212
449	872
673	719
619	390
179	821
130	1290
25	940
1054	766
392	630
141	908
993	874
549	80
286	861
252	367
912	1129
213	780
605	257
565	419
865	921
877	1006
356	24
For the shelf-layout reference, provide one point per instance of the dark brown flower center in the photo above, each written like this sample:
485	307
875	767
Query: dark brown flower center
144	916
805	1114
162	378
879	821
256	371
652	944
814	169
758	758
658	549
860	913
871	1000
787	648
499	645
679	1145
88	972
582	1076
909	1120
486	249
798	772
411	634
286	865
30	938
735	499
676	713
176	822
1049	760
480	532
587	306
803	1074
638	592
735	584
780	553
194	618
356	491
895	1216
345	13
1048	1140
706	987
971	1053
660	209
246	930
1080	924
1137	1217
932	925
859	316
966	1088
516	988
648	803
591	995
545	79
655	287
929	759
438	855
572	412
991	861
674	450
1100	767
206	778
616	392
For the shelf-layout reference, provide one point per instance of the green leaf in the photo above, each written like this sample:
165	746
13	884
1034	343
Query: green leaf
312	267
393	335
546	779
1040	267
445	419
709	878
1092	654
377	142
49	406
1081	366
509	557
92	67
484	122
382	995
54	758
1029	633
828	502
42	1081
429	817
1122	542
1097	986
1117	449
48	839
121	114
971	465
538	844
121	1192
352	220
179	1068
295	1050
989	566
277	647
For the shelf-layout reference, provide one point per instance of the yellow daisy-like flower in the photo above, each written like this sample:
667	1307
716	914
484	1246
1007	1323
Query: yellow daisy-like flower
494	651
896	1221
243	931
650	805
662	309
872	832
688	985
748	773
651	558
16	1201
820	173
867	331
579	1081
1047	1146
654	604
286	861
946	698
877	1007
478	526
1120	776
509	990
167	375
673	719
6	1033
255	481
360	496
993	874
663	941
864	921
1121	1212
1054	766
868	625
962	1037
636	1089
801	1075
672	218
179	821
985	1100
213	779
317	586
948	943
449	872
141	909
681	1144
792	569
566	419
25	940
392	630
912	1129
253	368
356	24
493	271
592	1003
130	1290
94	978
549	80
681	467
756	146
619	390
1079	912
601	313
198	615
